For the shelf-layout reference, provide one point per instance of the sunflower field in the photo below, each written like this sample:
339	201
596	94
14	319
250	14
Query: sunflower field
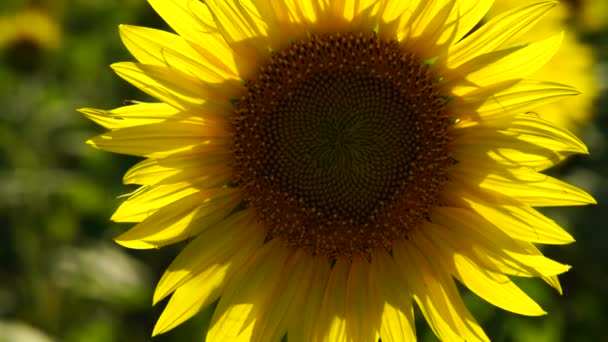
395	213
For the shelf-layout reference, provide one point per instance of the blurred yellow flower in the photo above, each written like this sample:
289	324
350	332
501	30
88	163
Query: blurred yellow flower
592	15
29	26
332	162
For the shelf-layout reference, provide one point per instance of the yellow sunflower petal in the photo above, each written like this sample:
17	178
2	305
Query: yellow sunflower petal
529	130
186	17
531	188
398	312
199	281
509	97
427	24
553	281
454	19
525	148
360	9
242	27
148	199
156	47
336	8
346	16
331	322
520	222
294	281
302	319
160	140
193	21
238	20
494	287
498	30
174	87
180	168
302	11
181	219
205	287
282	13
504	153
363	316
523	140
426	14
448	22
221	244
490	247
468	13
286	23
437	296
486	69
246	297
192	296
526	120
132	115
395	15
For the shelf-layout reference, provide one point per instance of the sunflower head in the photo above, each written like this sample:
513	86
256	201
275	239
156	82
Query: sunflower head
333	162
326	133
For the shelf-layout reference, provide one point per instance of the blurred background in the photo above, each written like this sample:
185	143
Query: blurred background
63	279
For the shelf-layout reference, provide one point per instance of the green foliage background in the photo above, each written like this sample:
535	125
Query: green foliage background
63	279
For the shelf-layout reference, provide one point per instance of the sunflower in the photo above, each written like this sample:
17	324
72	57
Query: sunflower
25	36
332	162
30	27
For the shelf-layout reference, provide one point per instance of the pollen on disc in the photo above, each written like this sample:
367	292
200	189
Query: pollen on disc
340	143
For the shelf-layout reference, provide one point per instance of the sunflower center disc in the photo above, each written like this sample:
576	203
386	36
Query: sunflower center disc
340	143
